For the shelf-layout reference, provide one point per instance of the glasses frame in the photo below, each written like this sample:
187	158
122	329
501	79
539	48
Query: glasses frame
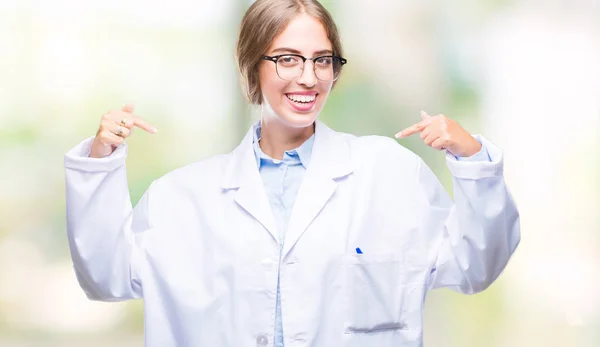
275	58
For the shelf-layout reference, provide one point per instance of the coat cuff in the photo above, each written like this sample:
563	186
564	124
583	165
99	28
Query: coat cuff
78	158
482	155
478	169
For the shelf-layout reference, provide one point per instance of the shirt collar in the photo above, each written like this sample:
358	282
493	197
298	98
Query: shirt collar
300	155
331	159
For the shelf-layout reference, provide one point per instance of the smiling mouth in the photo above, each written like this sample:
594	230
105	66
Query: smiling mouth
302	99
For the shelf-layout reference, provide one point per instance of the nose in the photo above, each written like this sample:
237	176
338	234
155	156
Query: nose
308	77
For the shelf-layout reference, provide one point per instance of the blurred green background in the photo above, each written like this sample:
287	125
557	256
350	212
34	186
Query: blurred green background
525	73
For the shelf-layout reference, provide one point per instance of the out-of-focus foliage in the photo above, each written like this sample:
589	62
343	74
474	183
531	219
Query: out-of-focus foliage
523	73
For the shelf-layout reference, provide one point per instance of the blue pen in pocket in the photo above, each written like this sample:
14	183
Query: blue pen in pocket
358	251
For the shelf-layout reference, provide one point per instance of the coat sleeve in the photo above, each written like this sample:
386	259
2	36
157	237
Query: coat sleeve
471	239
104	232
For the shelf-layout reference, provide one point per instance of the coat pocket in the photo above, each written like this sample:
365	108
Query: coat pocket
384	293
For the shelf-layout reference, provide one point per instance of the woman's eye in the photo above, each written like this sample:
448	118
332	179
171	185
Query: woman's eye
325	61
288	60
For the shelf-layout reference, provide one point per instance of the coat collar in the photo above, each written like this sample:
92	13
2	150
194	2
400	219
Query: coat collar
330	160
330	152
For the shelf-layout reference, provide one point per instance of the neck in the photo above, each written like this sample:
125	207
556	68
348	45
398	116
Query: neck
276	137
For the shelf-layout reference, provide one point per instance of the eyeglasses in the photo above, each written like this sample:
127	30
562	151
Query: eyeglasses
290	66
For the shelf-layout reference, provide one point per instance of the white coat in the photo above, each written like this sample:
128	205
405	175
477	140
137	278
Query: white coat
201	246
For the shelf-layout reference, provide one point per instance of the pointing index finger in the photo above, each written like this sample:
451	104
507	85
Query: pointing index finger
142	124
416	128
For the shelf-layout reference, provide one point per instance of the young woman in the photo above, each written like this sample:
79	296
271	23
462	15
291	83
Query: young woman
302	236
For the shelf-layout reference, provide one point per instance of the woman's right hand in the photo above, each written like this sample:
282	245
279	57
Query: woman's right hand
115	127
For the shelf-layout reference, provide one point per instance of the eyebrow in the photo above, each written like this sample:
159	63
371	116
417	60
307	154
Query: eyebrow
295	51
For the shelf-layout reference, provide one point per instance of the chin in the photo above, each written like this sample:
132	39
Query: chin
287	115
297	120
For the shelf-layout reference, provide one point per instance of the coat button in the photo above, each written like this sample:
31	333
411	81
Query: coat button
262	340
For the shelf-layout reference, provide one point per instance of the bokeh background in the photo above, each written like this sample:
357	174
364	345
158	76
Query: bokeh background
525	73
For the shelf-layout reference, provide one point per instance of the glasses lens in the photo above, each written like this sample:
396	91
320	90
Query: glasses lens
328	68
289	67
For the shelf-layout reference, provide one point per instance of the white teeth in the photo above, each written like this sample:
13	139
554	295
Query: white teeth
302	98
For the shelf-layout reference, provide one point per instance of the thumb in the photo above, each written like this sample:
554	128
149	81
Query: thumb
424	115
128	108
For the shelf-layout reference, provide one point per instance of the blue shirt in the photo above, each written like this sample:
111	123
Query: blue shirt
282	179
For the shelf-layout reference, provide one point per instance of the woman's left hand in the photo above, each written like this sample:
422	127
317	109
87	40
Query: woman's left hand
441	132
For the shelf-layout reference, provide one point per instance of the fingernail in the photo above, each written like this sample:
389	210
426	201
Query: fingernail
154	130
399	135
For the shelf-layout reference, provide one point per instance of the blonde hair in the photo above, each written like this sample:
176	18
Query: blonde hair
263	21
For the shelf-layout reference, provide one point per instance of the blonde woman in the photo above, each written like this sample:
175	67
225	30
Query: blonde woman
302	236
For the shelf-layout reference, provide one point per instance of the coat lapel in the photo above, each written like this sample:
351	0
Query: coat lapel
330	160
242	174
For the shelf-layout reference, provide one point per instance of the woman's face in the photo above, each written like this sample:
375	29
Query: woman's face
296	103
